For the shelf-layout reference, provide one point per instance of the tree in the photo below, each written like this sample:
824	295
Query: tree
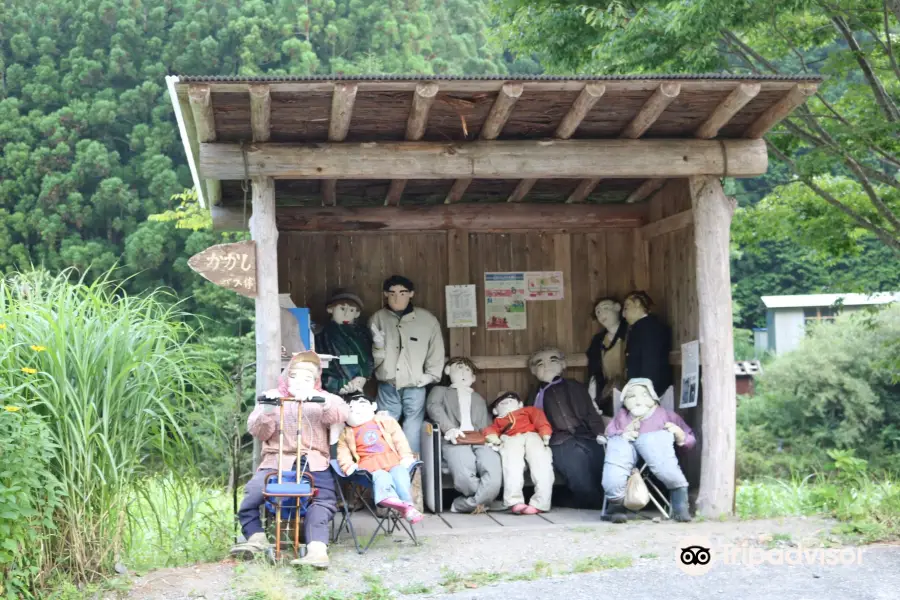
841	151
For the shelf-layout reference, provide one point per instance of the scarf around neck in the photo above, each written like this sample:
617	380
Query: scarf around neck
338	339
539	399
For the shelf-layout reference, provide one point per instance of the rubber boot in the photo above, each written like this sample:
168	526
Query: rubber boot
680	508
615	512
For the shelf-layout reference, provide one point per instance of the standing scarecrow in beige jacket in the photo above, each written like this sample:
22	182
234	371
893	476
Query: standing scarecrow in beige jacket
408	348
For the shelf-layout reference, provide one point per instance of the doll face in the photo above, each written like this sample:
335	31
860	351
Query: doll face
506	406
608	313
398	297
633	310
302	378
344	313
460	375
639	402
361	411
547	365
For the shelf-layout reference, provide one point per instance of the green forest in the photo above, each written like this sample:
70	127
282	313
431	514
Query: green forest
96	292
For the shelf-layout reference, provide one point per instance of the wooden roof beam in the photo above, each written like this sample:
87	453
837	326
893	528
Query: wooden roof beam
567	126
481	217
416	124
501	109
260	112
736	100
646	189
508	159
652	109
778	111
200	99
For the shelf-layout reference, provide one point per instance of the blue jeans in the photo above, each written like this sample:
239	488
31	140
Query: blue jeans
408	403
393	484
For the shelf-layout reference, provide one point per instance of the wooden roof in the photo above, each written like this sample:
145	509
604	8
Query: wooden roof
455	111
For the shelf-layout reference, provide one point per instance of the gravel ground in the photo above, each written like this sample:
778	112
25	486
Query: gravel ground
876	578
527	560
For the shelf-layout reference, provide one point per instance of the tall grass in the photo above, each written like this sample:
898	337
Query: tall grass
115	378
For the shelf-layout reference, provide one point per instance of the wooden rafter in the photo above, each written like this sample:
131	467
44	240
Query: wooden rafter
200	99
646	189
668	225
583	190
501	109
423	98
778	111
652	109
343	97
736	100
583	104
260	112
507	159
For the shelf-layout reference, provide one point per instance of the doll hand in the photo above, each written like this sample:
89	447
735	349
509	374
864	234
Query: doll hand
377	337
677	431
601	439
592	388
357	384
272	394
407	462
630	436
546	439
383	414
452	434
424	380
351	470
492	439
346	389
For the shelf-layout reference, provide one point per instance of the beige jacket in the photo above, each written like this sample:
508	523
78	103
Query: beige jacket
347	456
413	348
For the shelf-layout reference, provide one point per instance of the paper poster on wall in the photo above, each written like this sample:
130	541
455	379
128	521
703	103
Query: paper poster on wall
462	308
504	301
690	374
544	285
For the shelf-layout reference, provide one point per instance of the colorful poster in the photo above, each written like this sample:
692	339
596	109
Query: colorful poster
544	285
690	374
462	310
504	301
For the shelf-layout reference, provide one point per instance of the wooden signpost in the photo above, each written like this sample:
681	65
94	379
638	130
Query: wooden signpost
231	266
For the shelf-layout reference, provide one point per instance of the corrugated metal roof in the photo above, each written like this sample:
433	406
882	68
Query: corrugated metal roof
653	77
804	300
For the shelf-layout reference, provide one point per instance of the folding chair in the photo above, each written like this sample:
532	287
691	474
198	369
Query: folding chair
390	521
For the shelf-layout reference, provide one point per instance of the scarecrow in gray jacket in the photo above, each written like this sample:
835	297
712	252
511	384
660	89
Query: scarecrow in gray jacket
458	409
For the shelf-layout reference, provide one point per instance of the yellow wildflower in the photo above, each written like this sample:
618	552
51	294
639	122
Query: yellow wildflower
12	408
39	348
29	370
2	325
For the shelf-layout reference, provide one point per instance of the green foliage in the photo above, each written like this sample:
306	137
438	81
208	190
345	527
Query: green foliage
119	385
842	151
29	492
837	391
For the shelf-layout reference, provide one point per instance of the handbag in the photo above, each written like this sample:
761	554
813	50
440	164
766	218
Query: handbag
637	496
472	438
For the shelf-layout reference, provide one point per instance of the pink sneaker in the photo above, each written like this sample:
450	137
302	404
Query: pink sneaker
518	508
413	516
529	510
395	503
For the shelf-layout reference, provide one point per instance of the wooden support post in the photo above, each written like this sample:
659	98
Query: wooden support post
268	311
652	109
583	190
736	100
329	192
415	129
458	274
712	221
778	111
493	125
260	112
202	109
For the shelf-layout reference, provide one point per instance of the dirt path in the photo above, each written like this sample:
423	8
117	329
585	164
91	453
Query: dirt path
451	562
